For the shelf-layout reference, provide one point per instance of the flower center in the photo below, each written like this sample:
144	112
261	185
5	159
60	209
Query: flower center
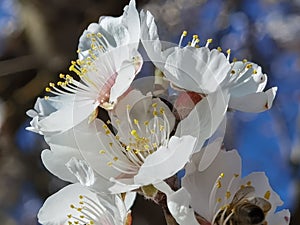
144	138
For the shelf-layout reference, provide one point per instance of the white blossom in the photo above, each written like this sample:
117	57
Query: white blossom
140	150
108	62
75	204
219	195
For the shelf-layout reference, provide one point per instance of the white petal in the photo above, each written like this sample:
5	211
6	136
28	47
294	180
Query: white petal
82	171
57	207
255	102
197	69
131	20
279	218
166	161
244	81
179	206
125	77
202	184
206	117
91	141
129	200
122	185
67	117
150	40
210	153
56	158
211	150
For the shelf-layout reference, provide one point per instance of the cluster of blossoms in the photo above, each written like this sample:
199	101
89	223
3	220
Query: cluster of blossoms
113	136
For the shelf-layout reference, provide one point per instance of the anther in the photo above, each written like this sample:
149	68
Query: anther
228	53
208	42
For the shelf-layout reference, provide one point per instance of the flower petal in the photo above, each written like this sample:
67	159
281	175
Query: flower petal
62	207
73	113
255	102
206	117
202	185
166	161
126	74
197	69
56	158
245	78
211	150
123	185
279	218
150	40
179	206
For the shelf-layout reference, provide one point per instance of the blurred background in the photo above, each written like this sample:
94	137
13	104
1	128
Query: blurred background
39	38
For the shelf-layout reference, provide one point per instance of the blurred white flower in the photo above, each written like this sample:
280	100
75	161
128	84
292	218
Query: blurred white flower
75	204
218	195
108	62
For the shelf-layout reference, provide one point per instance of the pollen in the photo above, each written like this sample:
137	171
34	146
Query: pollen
219	184
267	195
162	110
135	134
228	194
249	66
115	158
219	49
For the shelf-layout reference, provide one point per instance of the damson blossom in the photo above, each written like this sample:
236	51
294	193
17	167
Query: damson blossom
108	62
111	137
200	70
220	196
75	204
134	147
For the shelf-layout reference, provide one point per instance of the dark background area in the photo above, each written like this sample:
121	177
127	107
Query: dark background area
39	38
